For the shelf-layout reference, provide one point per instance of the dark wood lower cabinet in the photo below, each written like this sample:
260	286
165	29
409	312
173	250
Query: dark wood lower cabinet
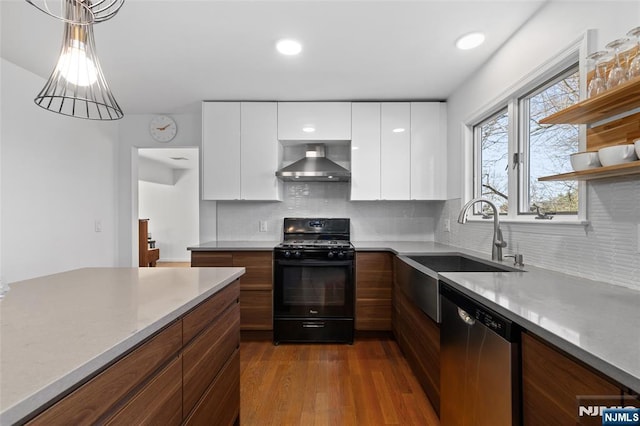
419	338
256	285
221	400
552	382
374	283
159	402
187	372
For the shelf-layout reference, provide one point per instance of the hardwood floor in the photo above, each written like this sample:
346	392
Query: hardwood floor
368	383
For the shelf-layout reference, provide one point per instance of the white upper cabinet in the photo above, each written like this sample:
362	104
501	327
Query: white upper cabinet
365	151
301	121
259	149
428	151
220	150
240	151
395	150
399	151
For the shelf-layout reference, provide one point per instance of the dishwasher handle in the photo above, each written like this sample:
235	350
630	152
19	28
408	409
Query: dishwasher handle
465	317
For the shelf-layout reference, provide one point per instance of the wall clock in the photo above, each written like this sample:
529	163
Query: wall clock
163	128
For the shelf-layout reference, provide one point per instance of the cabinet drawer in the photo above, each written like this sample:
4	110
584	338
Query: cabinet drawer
98	396
207	353
373	314
256	310
201	316
159	402
259	269
221	403
211	258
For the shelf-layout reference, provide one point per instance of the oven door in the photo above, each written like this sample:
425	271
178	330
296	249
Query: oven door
313	288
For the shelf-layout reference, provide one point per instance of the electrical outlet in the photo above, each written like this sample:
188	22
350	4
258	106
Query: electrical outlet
447	225
263	226
97	226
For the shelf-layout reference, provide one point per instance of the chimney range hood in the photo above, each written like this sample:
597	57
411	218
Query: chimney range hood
314	167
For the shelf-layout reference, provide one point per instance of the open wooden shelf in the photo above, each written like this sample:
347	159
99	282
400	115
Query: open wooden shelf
599	173
625	97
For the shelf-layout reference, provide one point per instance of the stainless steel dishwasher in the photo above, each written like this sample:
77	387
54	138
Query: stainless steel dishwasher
479	364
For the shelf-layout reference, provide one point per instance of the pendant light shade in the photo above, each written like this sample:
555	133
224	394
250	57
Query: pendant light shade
94	11
77	87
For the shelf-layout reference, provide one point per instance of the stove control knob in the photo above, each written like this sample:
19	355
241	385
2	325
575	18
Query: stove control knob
297	254
341	255
331	254
287	254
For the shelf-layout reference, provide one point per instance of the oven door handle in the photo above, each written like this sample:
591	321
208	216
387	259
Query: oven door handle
314	262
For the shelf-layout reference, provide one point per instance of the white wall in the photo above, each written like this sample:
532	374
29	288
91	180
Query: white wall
57	177
607	249
171	209
134	134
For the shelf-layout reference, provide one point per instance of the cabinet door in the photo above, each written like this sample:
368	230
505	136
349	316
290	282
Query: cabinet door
365	151
428	151
220	150
418	336
396	151
259	149
330	120
551	383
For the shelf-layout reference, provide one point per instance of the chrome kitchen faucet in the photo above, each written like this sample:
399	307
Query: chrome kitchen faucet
498	241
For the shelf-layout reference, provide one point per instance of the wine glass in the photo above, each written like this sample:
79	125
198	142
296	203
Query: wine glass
597	84
634	65
617	74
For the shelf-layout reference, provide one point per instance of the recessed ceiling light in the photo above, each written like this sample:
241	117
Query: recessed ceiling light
398	130
288	47
470	41
309	129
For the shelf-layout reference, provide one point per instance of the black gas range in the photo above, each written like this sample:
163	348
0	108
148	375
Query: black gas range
313	294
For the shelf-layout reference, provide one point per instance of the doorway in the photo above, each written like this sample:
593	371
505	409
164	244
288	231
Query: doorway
168	195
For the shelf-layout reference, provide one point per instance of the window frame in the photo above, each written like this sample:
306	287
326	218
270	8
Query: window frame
510	99
523	143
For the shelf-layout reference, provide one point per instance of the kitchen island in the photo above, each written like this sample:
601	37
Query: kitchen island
63	332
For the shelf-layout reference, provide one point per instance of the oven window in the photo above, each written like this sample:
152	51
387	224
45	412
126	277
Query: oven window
309	286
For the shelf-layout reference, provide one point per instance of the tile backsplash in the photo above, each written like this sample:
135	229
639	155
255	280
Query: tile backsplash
605	250
370	220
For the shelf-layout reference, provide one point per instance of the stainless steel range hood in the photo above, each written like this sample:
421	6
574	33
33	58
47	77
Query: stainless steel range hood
314	167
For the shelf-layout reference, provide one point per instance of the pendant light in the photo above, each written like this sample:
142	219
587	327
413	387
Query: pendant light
77	87
97	11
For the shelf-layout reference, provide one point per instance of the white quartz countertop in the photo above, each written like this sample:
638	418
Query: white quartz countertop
596	322
59	329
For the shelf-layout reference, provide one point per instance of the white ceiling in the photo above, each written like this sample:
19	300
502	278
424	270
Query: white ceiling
167	56
173	158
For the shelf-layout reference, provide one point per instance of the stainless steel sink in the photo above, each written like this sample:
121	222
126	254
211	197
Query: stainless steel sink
417	277
456	263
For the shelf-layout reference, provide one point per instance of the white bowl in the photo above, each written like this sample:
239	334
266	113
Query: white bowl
637	144
619	154
585	161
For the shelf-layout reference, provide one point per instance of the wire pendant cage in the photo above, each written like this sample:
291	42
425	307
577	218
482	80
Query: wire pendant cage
94	11
77	86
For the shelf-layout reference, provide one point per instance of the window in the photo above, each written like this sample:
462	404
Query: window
546	148
492	161
512	150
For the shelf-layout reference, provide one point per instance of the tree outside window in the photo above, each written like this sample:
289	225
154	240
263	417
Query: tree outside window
541	150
